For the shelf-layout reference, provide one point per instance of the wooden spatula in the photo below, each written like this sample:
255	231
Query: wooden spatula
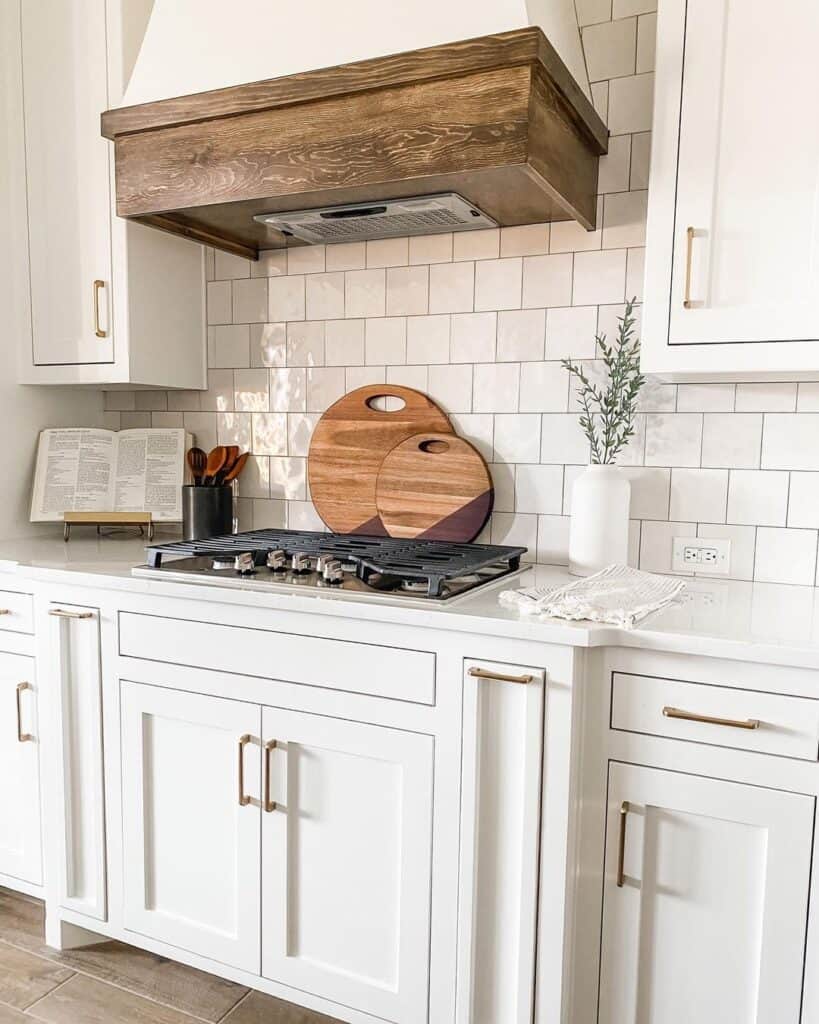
197	461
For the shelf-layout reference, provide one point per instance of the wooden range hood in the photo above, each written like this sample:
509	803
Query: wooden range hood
498	119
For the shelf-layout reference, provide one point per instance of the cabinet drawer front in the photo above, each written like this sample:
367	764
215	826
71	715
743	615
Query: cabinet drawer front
16	612
316	661
745	719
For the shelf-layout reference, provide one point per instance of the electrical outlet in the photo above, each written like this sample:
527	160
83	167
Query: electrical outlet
709	556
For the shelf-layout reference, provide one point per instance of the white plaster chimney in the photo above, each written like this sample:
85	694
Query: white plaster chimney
194	46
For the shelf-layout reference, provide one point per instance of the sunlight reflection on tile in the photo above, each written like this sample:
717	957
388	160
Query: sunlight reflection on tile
269	433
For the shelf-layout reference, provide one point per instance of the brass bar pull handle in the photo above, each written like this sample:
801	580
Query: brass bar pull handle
482	673
100	333
5	611
244	799
625	807
22	737
269	805
65	613
689	245
691	716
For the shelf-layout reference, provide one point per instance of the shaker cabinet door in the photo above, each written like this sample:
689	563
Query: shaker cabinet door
65	89
20	844
705	900
746	242
74	667
347	833
191	822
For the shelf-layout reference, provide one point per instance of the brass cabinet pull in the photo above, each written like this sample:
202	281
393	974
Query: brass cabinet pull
244	800
625	807
22	737
482	673
269	747
65	613
5	611
732	723
689	244
100	333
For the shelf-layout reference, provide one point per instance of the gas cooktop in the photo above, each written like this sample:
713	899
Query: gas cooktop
425	570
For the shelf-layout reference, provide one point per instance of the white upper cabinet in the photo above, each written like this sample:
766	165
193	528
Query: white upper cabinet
732	262
110	302
65	87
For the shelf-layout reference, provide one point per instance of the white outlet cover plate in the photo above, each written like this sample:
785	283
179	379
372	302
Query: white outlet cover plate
714	555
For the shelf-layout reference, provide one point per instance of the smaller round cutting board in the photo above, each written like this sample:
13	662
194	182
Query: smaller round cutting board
434	487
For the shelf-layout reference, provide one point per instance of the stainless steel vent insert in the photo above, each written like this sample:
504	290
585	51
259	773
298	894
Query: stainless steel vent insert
417	215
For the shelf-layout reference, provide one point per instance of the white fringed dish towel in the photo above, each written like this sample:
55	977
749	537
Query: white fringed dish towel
617	595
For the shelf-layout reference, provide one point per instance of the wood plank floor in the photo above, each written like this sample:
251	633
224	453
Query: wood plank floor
116	984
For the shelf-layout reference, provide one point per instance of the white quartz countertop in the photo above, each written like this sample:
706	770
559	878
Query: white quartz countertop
759	622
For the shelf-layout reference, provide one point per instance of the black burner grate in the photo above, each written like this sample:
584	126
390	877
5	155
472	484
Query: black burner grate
429	560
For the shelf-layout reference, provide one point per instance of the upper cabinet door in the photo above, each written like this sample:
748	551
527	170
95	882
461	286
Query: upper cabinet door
732	279
705	900
20	849
346	862
191	828
64	58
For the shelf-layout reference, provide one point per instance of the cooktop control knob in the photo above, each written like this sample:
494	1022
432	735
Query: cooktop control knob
322	560
277	561
332	571
245	564
300	563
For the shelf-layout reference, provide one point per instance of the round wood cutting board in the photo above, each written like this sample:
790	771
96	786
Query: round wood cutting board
434	486
349	444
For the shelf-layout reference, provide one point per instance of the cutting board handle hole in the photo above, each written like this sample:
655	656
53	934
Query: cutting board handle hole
434	447
386	403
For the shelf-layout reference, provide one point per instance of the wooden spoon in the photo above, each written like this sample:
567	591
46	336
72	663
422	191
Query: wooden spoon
236	468
197	460
232	456
216	461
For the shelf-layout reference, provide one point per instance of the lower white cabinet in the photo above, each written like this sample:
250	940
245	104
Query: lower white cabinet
705	900
292	845
73	664
190	843
346	844
20	843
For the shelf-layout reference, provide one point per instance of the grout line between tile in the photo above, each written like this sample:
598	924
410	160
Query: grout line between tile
49	993
79	971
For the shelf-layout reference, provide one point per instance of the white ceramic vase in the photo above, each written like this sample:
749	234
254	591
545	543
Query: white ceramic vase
598	533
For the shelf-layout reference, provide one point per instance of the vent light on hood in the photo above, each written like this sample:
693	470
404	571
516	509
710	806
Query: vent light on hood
393	218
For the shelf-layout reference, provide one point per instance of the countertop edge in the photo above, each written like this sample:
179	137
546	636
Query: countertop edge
452	618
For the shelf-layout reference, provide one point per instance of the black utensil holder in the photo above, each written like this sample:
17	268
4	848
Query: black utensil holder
206	512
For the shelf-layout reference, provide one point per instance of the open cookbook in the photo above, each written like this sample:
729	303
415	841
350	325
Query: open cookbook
84	469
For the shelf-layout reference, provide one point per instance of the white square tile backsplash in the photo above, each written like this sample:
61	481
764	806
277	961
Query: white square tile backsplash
480	321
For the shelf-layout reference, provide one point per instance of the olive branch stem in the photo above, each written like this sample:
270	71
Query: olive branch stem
607	412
